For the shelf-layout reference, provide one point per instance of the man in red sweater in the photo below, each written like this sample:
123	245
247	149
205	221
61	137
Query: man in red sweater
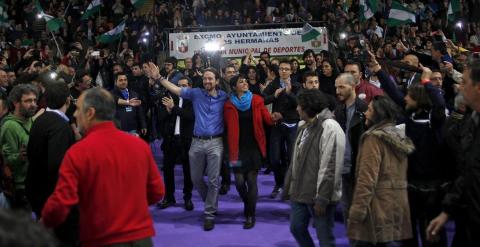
110	175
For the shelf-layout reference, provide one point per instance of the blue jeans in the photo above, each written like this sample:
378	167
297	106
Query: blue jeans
299	221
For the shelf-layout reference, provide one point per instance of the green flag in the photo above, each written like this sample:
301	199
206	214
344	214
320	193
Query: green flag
92	8
3	14
368	9
53	24
138	3
113	34
453	10
309	33
400	15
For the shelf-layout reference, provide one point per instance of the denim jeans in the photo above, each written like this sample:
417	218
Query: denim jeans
206	155
282	140
300	216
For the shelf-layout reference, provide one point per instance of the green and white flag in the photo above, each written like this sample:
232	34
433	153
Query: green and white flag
53	24
453	9
309	33
92	8
3	14
400	15
113	34
368	9
138	3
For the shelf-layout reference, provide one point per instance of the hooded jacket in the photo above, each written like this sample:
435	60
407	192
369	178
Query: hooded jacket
14	135
380	210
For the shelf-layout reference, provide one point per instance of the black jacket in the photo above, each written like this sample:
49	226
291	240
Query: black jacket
187	121
463	199
356	128
50	138
286	104
426	165
130	118
139	84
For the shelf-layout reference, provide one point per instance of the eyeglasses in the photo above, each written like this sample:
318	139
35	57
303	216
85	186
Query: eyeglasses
284	69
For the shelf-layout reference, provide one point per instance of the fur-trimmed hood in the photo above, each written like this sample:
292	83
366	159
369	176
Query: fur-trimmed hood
394	136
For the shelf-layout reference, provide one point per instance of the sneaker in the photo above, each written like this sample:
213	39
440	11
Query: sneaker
224	189
165	204
208	224
188	205
276	190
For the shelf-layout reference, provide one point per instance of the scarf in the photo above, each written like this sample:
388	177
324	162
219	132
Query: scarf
243	103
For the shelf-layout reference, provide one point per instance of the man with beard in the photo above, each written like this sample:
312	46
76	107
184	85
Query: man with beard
350	116
207	146
310	64
14	136
363	89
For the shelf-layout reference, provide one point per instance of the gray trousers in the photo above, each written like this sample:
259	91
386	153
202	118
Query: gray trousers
206	156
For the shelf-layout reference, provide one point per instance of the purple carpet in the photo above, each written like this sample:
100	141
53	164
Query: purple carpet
176	227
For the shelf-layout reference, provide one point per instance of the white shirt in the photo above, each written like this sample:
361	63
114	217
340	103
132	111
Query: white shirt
61	113
177	121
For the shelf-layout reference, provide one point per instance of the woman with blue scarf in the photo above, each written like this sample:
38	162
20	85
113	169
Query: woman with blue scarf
244	115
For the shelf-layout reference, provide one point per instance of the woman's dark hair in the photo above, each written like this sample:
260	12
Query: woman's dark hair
312	102
385	110
257	75
333	64
233	81
420	95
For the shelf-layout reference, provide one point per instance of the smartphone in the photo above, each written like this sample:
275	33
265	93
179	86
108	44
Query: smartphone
95	53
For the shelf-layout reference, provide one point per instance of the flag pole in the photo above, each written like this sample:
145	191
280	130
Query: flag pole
385	34
56	43
66	9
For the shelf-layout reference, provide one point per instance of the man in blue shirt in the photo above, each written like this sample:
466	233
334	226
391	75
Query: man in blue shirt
207	142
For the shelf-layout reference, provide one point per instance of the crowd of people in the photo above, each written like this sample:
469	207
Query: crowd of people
385	122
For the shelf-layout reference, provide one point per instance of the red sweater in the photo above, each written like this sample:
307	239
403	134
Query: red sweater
368	89
112	177
260	115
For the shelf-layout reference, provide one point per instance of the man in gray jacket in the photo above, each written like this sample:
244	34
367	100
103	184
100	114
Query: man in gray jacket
313	181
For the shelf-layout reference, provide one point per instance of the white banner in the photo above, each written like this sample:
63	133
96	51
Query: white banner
278	42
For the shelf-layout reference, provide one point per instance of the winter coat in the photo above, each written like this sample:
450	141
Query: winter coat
314	175
260	116
380	212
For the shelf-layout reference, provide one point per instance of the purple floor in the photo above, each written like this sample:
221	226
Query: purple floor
176	227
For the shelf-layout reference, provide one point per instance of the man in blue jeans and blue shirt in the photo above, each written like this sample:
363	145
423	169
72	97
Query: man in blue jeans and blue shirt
207	142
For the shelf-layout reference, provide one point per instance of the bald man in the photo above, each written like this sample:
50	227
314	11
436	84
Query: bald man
408	78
